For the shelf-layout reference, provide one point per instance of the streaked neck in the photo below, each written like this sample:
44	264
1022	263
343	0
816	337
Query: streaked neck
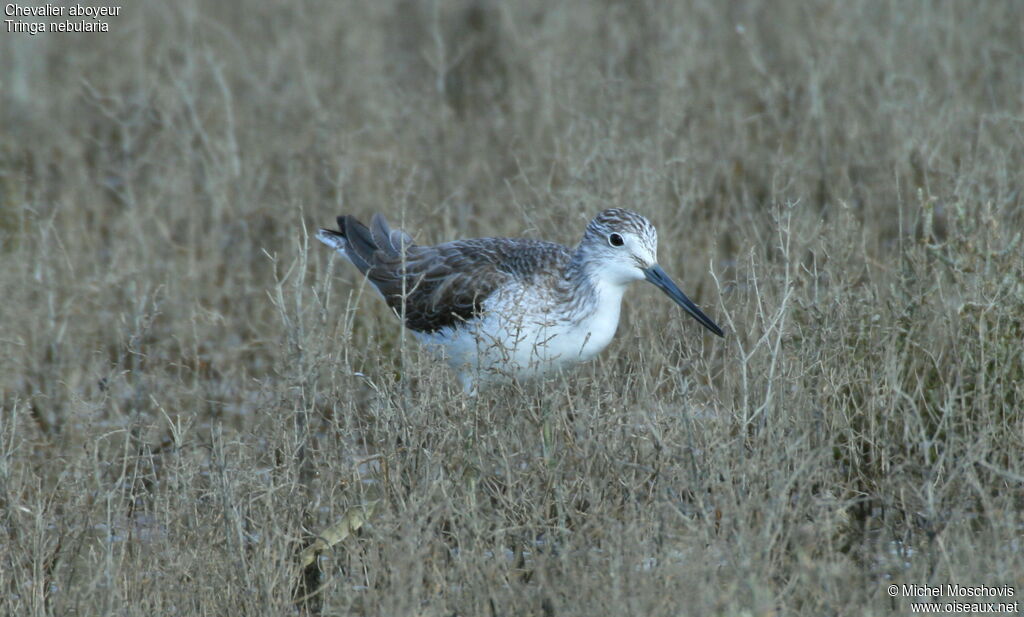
584	287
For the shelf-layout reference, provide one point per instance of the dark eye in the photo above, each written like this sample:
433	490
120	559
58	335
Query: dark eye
615	240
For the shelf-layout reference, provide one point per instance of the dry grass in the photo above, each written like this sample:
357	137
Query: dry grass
191	390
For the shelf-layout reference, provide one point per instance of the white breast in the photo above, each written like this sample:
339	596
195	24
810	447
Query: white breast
525	332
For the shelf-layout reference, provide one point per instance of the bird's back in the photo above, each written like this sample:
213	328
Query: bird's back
443	286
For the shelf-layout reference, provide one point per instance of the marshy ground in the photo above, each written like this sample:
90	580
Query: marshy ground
192	388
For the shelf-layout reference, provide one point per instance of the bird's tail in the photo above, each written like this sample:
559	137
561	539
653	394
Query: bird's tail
360	244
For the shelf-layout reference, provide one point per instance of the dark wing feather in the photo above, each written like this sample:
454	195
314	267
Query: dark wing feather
447	284
444	285
361	247
390	241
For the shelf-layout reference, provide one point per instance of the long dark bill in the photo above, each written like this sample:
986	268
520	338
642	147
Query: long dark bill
657	276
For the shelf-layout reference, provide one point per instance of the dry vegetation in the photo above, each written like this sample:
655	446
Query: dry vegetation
192	389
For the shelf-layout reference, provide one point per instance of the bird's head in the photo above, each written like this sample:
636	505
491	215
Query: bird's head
621	246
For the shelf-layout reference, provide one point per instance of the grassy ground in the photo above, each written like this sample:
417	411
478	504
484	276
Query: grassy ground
192	390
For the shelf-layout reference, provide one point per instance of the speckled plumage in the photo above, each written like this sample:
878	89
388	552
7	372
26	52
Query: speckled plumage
509	307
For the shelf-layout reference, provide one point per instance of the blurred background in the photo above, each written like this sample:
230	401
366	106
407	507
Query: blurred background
191	389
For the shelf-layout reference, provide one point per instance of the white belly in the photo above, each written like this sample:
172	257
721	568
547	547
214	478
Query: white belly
522	334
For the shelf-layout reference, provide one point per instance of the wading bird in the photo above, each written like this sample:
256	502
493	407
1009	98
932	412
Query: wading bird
501	308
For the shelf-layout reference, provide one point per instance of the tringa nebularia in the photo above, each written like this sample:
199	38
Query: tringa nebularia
499	308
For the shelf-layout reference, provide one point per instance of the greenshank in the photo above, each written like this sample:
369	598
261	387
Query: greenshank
510	308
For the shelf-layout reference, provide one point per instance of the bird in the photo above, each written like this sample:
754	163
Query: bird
509	309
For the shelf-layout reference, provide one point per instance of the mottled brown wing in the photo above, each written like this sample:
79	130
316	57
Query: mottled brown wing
441	286
447	284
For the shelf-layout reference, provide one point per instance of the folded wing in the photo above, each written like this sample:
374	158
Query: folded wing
431	287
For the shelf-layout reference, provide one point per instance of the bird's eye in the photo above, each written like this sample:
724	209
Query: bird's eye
615	240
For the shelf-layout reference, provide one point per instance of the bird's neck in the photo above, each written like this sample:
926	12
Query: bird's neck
586	290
